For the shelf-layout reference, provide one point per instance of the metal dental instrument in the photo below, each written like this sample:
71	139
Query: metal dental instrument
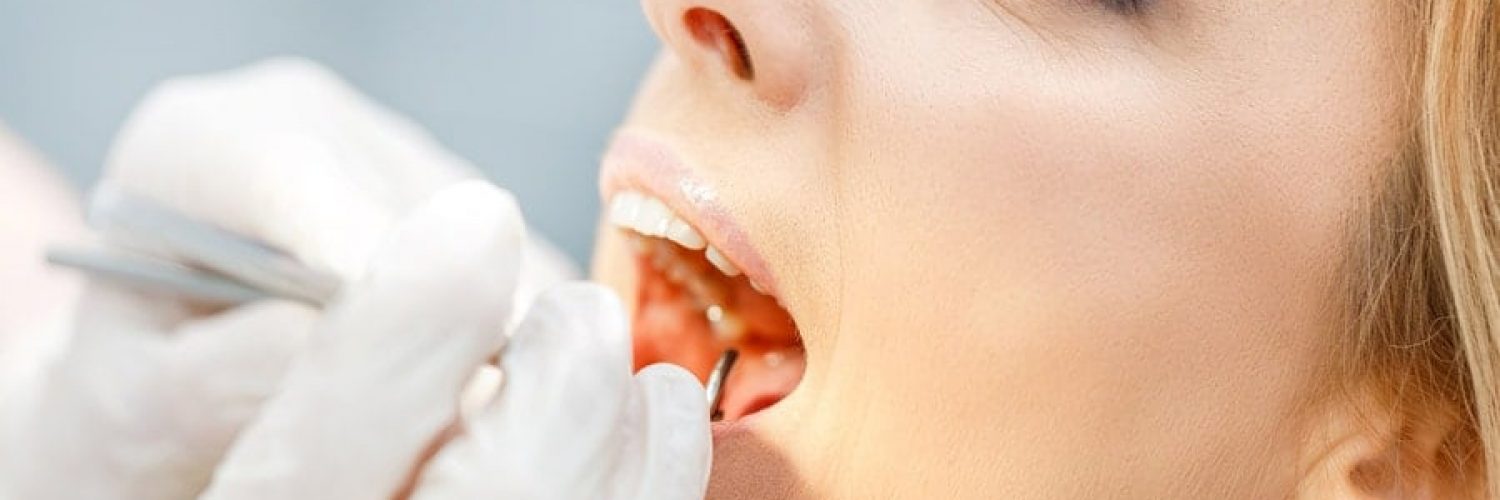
158	249
716	380
156	275
166	251
153	229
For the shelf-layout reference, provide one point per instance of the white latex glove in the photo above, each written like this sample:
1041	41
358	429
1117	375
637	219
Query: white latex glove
148	392
361	411
144	399
571	422
286	151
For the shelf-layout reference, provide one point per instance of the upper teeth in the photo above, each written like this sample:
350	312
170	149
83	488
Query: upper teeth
717	258
649	216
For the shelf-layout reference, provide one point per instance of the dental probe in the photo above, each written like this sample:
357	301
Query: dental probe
716	380
156	275
139	224
160	250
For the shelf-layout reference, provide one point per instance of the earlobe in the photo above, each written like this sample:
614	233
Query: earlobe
1352	454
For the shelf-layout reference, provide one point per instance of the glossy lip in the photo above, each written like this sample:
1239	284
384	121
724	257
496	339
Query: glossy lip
636	162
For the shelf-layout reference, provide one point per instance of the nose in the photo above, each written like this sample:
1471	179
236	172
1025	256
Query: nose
763	45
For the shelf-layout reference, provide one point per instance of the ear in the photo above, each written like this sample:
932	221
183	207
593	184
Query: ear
1369	451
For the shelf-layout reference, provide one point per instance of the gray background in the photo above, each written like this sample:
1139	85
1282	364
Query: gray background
526	89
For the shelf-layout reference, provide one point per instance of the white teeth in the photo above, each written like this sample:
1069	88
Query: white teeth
653	228
717	258
623	207
651	217
681	233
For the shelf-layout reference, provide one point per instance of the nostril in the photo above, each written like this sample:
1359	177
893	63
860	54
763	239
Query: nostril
716	32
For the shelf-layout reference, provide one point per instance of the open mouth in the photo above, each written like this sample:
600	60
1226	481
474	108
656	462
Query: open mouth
695	308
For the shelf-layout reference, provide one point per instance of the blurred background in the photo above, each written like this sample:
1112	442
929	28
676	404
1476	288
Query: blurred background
529	90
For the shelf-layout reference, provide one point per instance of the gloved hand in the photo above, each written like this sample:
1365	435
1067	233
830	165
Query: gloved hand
361	411
571	422
149	391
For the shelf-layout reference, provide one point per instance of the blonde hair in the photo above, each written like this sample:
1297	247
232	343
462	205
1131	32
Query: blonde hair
1427	288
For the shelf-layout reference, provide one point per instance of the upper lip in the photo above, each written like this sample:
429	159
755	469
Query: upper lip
650	166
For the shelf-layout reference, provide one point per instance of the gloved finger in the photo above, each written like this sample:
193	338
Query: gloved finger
110	314
383	371
170	402
227	366
221	369
551	430
567	367
669	449
283	151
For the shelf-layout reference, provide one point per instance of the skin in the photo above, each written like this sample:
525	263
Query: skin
1113	236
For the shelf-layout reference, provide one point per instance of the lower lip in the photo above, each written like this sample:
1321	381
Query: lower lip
728	428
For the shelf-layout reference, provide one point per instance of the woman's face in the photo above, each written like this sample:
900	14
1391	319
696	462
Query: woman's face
1033	248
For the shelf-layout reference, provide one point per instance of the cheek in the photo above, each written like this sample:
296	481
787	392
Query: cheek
1086	256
